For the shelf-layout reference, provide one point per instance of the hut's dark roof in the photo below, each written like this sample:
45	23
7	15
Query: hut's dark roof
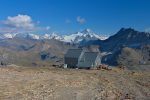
90	56
88	59
73	53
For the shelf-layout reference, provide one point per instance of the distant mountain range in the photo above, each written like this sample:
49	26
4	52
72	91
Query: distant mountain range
126	47
77	37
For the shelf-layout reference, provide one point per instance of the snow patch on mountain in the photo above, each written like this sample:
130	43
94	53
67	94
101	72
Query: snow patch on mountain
34	36
7	35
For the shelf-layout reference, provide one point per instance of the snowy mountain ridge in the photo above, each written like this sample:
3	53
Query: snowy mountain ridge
77	37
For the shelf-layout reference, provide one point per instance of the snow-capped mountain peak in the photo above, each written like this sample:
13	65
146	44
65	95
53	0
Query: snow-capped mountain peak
33	36
86	35
86	31
51	36
46	36
55	36
9	35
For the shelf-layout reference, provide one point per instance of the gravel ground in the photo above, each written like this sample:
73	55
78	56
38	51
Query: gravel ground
22	83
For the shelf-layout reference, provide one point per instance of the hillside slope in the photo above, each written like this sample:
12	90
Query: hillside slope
32	52
126	47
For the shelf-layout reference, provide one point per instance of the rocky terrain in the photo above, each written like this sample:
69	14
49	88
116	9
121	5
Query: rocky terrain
48	83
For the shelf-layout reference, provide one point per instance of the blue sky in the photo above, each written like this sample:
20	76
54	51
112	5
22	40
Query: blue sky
69	16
